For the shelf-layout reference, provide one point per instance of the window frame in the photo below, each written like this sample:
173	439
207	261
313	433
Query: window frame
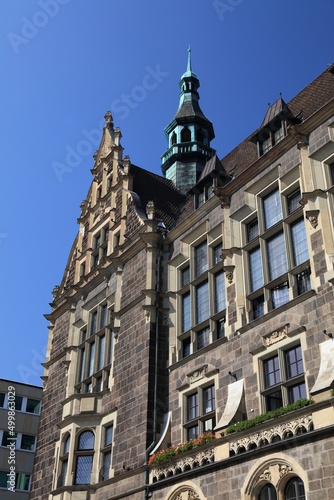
198	417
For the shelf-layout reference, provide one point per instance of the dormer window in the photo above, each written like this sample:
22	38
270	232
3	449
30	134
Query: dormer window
270	136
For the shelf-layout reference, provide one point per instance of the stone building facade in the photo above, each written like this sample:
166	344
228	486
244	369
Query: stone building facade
190	350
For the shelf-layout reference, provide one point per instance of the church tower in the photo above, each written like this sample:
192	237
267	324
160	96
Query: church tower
189	135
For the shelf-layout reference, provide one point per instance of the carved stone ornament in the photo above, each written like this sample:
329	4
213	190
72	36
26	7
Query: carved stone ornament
276	336
189	462
312	216
197	374
282	431
192	495
229	273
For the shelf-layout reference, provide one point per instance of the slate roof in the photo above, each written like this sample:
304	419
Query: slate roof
168	200
304	104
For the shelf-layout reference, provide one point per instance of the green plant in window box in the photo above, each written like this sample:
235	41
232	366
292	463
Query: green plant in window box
246	424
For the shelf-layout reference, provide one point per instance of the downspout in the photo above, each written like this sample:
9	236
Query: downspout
162	231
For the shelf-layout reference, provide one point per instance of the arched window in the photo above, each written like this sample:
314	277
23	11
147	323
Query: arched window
64	460
84	458
200	136
268	492
173	139
295	489
185	135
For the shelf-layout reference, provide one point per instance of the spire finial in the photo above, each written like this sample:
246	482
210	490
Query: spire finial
189	59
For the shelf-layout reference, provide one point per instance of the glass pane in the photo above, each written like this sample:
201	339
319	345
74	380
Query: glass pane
220	300
22	481
86	441
293	201
217	253
304	281
83	469
295	489
82	364
202	302
91	358
299	242
18	403
7	438
209	424
93	323
186	312
108	435
3	479
192	406
63	472
203	338
274	401
186	347
201	259
101	353
192	432
111	347
67	445
294	362
106	465
280	295
255	269
272	374
277	256
185	276
33	406
253	229
104	316
2	399
28	442
220	327
268	492
272	209
209	399
297	392
258	307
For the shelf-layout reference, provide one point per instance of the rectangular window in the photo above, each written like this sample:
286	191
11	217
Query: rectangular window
33	406
185	276
220	327
186	312
303	281
104	315
108	435
192	406
2	399
18	403
252	230
272	208
293	201
299	242
91	359
82	364
220	300
202	302
217	251
209	404
106	462
255	269
203	338
22	482
93	323
101	352
283	378
7	438
201	259
83	469
186	347
280	295
277	256
258	307
28	442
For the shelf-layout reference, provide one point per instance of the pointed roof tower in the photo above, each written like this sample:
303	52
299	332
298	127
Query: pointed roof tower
189	135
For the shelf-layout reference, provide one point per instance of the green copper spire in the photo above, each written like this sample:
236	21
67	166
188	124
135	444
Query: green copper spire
189	71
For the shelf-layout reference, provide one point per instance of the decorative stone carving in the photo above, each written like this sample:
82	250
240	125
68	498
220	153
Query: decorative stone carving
312	216
276	336
189	462
197	374
284	469
266	475
192	495
150	210
229	273
281	431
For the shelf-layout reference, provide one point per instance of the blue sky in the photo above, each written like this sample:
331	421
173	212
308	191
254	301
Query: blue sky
66	62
